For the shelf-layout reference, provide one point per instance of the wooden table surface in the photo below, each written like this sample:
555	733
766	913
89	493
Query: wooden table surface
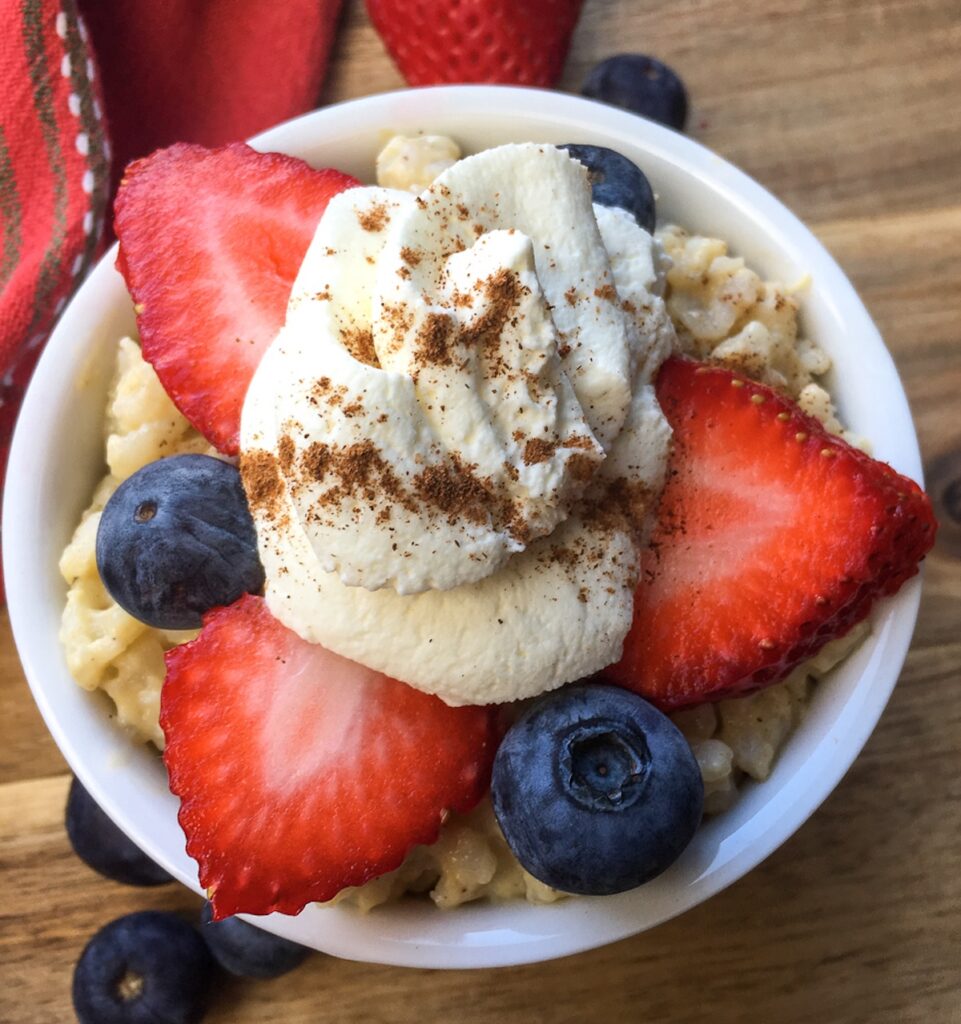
850	111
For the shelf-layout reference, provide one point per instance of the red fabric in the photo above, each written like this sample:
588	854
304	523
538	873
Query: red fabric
53	183
207	71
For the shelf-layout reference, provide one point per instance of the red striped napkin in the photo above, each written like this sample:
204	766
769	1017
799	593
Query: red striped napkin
54	161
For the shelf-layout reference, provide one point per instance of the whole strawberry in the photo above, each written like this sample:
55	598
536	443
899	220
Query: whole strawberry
508	42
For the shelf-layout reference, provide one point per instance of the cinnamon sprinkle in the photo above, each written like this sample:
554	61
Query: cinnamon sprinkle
578	441
433	341
400	321
374	219
286	450
625	504
454	490
503	291
538	450
359	342
262	481
581	467
324	391
358	470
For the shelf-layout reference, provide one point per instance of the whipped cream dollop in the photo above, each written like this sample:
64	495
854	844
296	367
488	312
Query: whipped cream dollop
452	447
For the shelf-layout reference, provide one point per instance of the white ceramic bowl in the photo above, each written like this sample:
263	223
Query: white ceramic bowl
58	455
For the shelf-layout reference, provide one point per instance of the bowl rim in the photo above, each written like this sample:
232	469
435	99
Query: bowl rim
512	944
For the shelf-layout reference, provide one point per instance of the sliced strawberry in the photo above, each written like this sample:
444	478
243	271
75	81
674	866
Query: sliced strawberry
210	243
512	42
300	772
773	537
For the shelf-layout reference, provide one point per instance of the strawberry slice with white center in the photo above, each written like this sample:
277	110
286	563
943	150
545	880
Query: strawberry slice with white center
300	772
210	243
773	537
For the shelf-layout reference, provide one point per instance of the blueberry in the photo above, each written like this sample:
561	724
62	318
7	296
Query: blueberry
177	539
595	790
641	84
98	842
616	181
248	951
144	968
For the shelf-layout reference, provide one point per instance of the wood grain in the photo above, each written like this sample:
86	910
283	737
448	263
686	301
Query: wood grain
850	110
